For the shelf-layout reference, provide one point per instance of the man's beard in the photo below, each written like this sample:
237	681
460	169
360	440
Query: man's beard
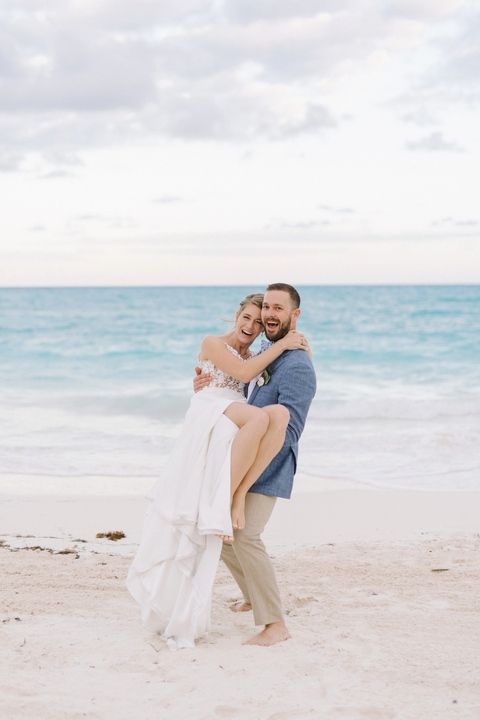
279	332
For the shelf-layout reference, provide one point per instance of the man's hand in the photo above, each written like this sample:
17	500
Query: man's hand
201	380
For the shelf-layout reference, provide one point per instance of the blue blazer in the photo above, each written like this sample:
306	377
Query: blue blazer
293	384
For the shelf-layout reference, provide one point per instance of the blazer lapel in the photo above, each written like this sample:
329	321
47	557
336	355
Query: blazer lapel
254	392
275	365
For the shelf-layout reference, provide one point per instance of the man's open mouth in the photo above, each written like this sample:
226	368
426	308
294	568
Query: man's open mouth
272	324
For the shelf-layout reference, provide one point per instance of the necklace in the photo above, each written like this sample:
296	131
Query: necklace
244	355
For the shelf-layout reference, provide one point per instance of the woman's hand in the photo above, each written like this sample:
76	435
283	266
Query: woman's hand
294	340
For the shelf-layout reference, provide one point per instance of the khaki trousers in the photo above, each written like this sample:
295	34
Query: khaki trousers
250	564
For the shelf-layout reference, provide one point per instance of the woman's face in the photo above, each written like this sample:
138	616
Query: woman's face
249	323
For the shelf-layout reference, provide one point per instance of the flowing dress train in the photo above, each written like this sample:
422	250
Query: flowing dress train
174	569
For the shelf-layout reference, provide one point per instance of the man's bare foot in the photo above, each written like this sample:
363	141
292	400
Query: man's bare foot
238	512
272	634
240	607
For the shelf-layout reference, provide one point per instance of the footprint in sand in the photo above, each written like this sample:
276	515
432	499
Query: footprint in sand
303	601
369	713
309	714
225	711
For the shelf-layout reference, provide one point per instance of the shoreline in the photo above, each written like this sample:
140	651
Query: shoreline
325	515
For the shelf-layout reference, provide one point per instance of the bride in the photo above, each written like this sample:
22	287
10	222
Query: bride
224	447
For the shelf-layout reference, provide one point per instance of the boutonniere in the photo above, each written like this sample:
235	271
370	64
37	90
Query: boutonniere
264	377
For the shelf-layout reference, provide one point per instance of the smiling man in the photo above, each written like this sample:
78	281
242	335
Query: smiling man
292	383
278	317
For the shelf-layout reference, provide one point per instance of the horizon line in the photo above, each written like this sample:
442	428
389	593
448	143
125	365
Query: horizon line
236	285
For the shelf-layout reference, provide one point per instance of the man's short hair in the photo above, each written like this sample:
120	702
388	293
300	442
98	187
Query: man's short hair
293	294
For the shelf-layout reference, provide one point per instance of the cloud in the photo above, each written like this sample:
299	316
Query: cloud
145	15
421	116
82	73
340	210
70	79
10	161
422	9
56	66
458	70
248	11
435	142
53	174
302	225
452	222
451	77
260	111
167	200
122	222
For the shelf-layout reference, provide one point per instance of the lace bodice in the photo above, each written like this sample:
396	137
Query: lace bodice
221	379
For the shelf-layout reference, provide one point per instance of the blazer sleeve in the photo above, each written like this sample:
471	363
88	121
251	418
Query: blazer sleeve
297	394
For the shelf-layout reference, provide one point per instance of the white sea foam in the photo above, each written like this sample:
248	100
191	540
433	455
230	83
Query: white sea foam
396	408
437	452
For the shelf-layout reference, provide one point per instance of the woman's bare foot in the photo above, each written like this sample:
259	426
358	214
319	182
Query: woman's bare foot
272	634
241	606
238	512
225	538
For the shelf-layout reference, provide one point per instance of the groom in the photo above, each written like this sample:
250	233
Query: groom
292	383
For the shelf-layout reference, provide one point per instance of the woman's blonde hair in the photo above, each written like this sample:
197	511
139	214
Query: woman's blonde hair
254	299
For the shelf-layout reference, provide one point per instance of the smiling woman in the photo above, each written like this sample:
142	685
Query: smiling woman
248	322
224	447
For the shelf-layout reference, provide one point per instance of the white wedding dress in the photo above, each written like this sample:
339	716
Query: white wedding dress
173	572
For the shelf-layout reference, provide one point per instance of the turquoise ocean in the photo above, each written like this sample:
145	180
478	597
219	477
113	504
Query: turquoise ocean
95	382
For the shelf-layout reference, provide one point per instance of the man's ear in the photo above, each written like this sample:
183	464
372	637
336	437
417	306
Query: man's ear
295	314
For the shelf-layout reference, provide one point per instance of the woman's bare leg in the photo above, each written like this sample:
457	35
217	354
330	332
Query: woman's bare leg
270	445
253	423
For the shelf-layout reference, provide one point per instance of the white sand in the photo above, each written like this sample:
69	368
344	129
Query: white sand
381	591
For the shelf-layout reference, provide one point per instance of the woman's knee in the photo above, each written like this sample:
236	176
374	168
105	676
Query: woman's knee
255	417
262	419
242	414
278	415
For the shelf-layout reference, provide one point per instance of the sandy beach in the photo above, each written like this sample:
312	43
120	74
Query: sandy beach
381	592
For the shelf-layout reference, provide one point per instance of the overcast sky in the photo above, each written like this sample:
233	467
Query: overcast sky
148	142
